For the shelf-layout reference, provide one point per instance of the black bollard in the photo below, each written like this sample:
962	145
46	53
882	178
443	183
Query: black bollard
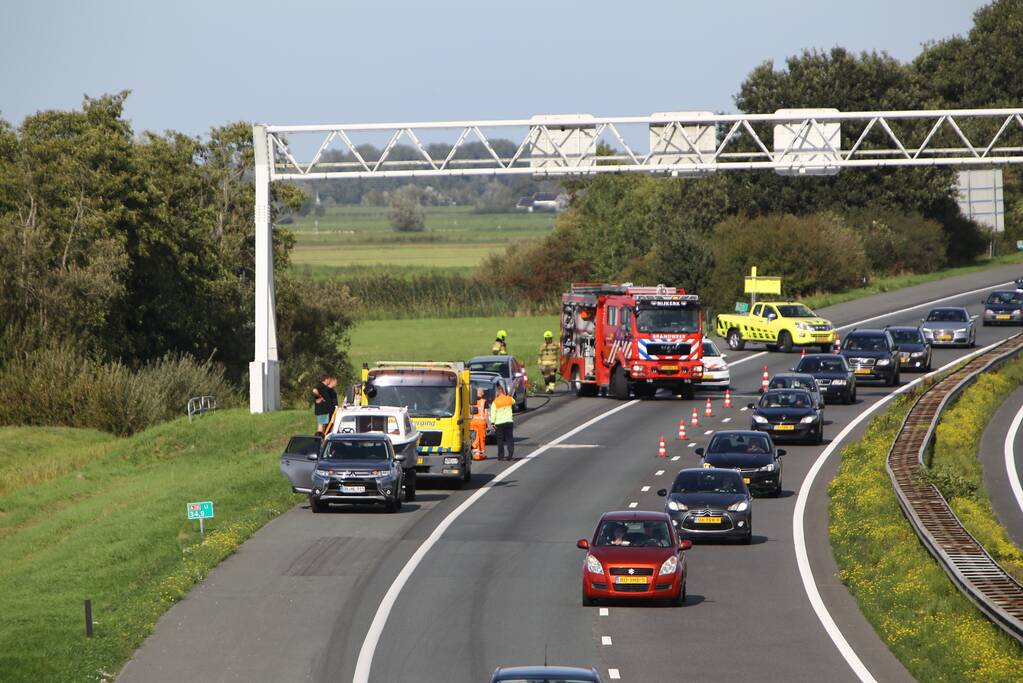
88	618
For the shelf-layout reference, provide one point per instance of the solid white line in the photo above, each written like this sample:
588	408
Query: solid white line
925	304
603	611
605	640
658	473
376	628
632	505
647	488
614	674
799	536
1010	458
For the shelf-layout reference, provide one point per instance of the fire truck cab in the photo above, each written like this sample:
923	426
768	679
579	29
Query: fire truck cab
631	340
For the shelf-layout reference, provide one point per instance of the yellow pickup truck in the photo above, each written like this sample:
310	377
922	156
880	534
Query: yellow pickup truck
778	324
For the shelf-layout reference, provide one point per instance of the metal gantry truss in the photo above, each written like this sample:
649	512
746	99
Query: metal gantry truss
788	142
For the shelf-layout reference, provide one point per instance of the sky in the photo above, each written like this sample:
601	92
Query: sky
195	64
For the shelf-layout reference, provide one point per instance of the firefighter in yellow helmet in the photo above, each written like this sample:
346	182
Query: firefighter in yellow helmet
547	359
500	347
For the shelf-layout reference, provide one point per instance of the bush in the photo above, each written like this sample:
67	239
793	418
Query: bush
899	242
496	198
810	253
406	214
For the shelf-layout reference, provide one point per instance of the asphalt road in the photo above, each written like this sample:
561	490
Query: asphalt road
1008	508
502	584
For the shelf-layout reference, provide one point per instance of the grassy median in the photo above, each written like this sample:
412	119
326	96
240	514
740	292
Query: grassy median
110	525
916	610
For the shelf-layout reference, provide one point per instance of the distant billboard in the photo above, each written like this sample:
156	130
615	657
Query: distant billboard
981	197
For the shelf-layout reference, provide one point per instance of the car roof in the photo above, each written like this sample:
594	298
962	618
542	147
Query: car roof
489	359
527	672
795	375
480	374
373	410
866	332
633	516
773	390
902	327
709	469
739	432
361	436
948	308
818	356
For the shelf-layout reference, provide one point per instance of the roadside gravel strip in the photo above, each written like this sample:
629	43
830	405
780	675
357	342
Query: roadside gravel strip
309	593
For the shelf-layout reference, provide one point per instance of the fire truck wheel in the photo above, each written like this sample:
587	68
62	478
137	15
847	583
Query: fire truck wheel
688	392
619	384
582	388
735	341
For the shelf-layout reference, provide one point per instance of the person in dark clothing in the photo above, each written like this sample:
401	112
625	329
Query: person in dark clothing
324	401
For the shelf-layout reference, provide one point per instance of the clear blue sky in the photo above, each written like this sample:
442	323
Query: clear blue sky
194	64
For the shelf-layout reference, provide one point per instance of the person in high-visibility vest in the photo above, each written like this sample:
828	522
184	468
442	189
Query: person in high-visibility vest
480	423
500	347
501	417
548	361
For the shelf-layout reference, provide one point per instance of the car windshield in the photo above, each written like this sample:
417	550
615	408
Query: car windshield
501	367
794	383
643	533
707	481
422	401
865	342
781	398
907	336
667	320
821	365
1004	298
710	350
795	311
488	388
948	315
739	443
342	449
360	424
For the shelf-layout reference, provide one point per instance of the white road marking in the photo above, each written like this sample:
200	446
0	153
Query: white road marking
603	611
799	536
727	419
632	505
692	444
708	432
376	629
675	457
572	445
614	674
605	640
1010	458
658	473
647	488
743	409
925	304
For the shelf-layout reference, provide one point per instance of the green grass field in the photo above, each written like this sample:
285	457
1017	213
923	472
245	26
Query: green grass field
110	525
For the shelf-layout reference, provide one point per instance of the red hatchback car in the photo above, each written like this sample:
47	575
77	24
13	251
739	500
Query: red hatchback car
635	555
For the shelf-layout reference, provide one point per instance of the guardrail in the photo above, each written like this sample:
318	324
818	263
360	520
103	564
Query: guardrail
996	593
200	405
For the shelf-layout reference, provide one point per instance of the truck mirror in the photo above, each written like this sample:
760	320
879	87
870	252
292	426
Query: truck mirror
370	390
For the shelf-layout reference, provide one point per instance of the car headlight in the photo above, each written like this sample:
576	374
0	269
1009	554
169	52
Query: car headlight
670	566
988	311
1016	312
918	354
961	331
451	461
322	474
593	565
927	332
808	419
804	326
637	369
676	506
741	506
838	382
766	468
760	419
884	361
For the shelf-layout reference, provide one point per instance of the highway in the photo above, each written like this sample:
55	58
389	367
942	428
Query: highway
1001	457
495	576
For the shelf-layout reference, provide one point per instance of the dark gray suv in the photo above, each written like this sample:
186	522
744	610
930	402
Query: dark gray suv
357	468
872	355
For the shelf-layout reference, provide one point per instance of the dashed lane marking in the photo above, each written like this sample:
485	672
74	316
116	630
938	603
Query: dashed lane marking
658	473
692	445
603	611
633	504
614	674
708	432
647	488
727	419
605	640
675	457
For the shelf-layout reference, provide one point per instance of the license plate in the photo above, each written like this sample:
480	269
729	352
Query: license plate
784	428
862	371
669	368
420	460
745	480
708	520
1005	317
632	579
353	489
904	357
944	337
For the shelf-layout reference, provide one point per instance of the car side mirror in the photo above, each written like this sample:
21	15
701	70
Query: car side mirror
751	406
699	451
399	457
662	492
685	544
724	355
311	456
582	544
781	452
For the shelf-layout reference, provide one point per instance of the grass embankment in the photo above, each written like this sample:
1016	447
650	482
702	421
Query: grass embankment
112	528
891	283
956	469
928	624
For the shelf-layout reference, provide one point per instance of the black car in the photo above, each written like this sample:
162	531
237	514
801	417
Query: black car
788	413
543	674
358	468
914	350
753	454
1003	307
796	380
872	356
834	377
710	503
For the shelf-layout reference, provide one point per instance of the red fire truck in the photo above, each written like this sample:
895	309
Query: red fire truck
624	339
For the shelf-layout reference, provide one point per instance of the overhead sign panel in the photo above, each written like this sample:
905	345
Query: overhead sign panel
683	141
806	146
562	140
981	197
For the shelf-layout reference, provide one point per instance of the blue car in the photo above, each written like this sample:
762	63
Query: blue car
1003	307
554	674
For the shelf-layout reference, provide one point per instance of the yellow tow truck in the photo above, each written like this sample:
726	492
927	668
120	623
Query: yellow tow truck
437	397
780	325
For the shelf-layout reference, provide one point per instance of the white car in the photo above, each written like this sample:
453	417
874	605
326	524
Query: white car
392	421
715	369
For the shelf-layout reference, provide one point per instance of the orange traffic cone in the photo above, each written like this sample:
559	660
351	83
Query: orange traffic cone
662	451
802	353
708	411
838	343
728	398
764	381
682	429
695	421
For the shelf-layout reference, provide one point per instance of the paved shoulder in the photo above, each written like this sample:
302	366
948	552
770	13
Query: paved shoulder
993	460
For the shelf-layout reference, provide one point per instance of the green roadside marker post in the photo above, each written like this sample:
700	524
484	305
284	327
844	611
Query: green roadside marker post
201	511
